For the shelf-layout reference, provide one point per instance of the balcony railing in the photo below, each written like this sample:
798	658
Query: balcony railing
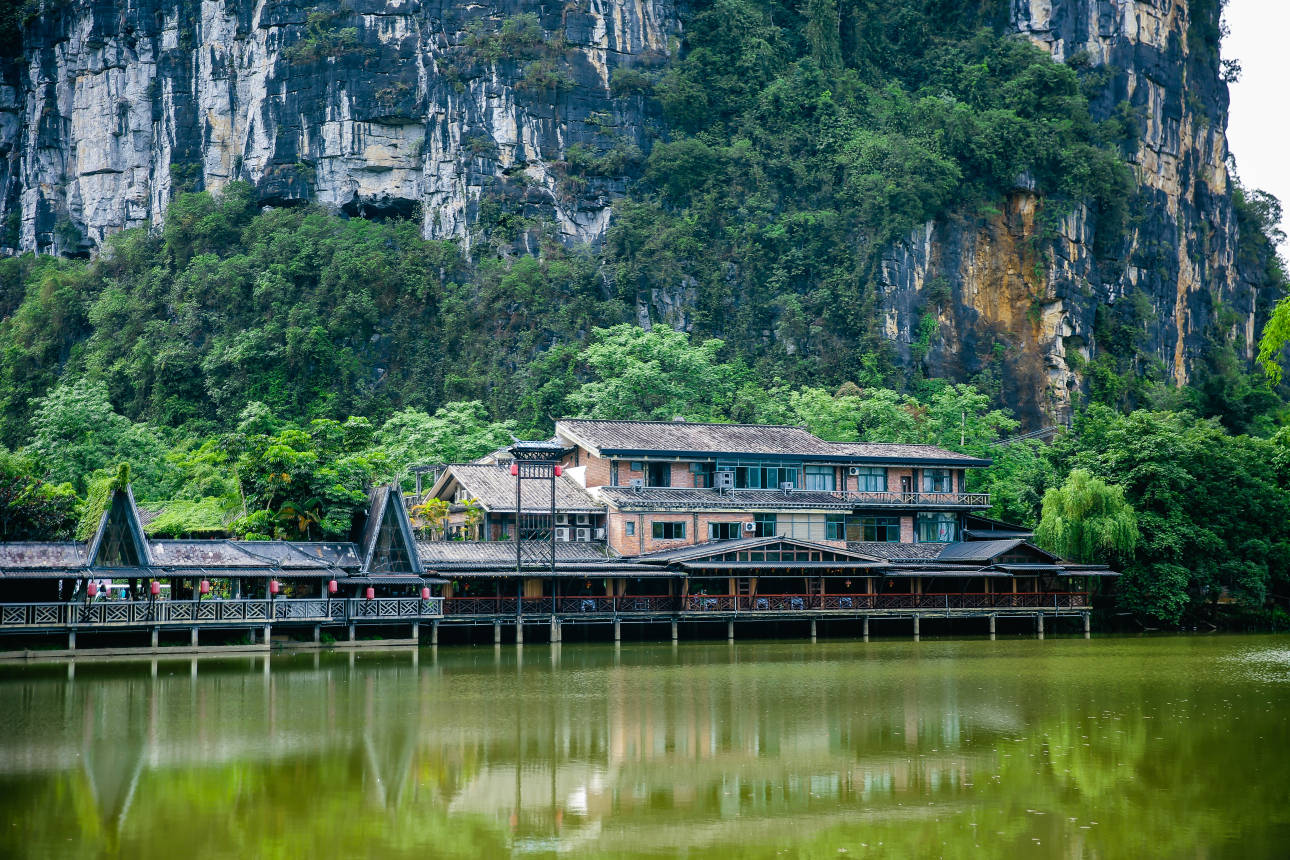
727	603
122	613
932	500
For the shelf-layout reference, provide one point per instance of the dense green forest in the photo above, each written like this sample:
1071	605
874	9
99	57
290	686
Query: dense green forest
258	369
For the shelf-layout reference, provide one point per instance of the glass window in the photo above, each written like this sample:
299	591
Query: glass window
819	478
871	479
835	527
659	475
669	531
762	476
765	524
725	531
938	481
874	529
702	473
613	473
629	529
940	528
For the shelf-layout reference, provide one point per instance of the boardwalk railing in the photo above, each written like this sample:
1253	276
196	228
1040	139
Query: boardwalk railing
628	605
942	500
113	613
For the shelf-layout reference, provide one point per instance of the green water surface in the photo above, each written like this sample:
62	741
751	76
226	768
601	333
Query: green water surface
1114	747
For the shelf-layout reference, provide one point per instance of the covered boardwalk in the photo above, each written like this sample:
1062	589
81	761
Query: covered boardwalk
120	580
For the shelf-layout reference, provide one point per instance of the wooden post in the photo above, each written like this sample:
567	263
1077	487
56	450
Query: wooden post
916	628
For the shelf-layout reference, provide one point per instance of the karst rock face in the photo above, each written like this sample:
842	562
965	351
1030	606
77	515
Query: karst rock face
436	110
371	106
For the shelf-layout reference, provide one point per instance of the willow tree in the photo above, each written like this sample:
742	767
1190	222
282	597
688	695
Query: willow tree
1086	519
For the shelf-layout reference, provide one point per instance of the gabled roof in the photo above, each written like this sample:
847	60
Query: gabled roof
652	498
715	549
898	552
986	551
762	441
119	540
388	544
38	555
494	487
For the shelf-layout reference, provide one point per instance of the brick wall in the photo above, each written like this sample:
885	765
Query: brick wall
696	529
906	529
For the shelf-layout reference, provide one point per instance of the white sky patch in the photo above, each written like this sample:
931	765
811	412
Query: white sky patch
1258	130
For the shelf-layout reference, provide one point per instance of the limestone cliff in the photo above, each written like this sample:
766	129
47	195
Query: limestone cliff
1010	288
451	110
366	107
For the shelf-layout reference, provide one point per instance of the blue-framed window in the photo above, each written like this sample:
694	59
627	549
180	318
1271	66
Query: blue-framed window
871	479
936	528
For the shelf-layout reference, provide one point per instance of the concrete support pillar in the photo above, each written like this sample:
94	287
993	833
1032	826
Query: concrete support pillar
1039	624
813	629
71	640
317	634
1086	625
519	633
730	631
192	637
992	627
555	630
916	620
675	635
416	632
351	632
866	628
618	630
434	633
268	631
497	633
155	633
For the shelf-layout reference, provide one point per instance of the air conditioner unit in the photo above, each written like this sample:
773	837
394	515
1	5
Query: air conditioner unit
750	527
562	519
562	535
583	534
600	534
853	471
638	484
786	485
583	519
724	480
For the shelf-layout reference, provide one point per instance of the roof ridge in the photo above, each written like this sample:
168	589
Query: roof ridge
683	423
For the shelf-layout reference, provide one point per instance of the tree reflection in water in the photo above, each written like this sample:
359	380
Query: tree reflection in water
1061	748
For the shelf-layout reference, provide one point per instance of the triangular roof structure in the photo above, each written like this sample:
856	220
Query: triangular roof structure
119	540
989	551
387	543
731	552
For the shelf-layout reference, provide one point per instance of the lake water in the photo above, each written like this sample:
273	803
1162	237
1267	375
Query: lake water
1114	747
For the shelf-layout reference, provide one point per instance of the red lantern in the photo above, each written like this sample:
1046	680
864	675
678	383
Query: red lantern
273	586
425	592
559	470
515	468
205	587
92	589
331	587
370	594
154	588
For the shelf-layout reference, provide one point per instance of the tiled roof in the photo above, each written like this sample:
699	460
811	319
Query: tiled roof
336	553
898	551
978	551
675	438
205	553
286	555
735	500
708	549
34	555
494	486
449	552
